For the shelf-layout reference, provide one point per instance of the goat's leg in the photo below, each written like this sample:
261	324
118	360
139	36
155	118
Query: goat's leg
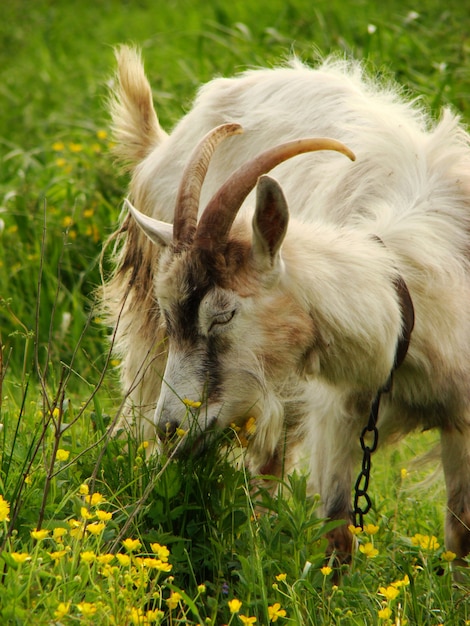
456	463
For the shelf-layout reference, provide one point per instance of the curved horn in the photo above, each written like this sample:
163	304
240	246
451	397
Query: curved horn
187	201
217	219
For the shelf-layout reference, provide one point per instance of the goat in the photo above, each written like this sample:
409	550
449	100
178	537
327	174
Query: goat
293	316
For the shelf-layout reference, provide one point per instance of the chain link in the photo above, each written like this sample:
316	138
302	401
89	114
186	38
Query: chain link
369	441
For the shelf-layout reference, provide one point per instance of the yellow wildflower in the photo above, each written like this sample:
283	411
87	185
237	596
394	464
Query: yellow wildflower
275	612
247	620
39	534
85	513
201	588
105	559
354	530
405	581
101	134
87	213
94	499
173	600
250	426
161	551
62	610
385	613
326	571
58	146
131	544
181	432
56	556
368	550
281	577
96	528
403	473
62	455
75	147
84	489
425	542
448	556
88	556
86	608
4	510
390	592
371	529
58	533
20	557
191	404
234	605
124	559
103	516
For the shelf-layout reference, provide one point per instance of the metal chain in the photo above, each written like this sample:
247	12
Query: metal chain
369	441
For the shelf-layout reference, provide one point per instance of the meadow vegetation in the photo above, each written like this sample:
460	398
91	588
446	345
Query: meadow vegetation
91	530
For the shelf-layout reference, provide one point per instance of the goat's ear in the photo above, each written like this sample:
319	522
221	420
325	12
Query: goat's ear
159	232
269	221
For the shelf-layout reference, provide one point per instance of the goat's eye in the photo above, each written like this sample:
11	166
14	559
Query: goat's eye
222	318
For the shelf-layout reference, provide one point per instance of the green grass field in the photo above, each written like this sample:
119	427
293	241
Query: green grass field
91	531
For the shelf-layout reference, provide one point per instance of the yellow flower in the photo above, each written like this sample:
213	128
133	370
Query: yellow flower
87	213
403	473
62	455
161	551
104	516
371	529
250	426
385	613
247	620
20	557
425	542
191	404
58	533
85	513
95	499
354	530
75	147
201	588
39	534
84	489
281	577
96	528
181	432
275	612
88	556
390	592
56	556
4	510
62	610
448	556
154	616
124	559
326	571
173	600
234	605
369	550
58	146
101	134
105	559
131	544
403	582
86	608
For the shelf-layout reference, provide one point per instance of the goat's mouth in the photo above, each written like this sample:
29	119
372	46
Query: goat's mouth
192	442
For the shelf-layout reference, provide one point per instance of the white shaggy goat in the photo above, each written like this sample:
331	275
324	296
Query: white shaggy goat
288	307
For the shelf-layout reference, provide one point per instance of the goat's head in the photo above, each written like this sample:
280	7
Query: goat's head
235	335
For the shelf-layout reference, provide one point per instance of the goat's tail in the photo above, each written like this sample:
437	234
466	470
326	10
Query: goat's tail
135	124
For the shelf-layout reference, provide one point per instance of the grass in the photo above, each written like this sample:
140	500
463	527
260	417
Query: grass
118	538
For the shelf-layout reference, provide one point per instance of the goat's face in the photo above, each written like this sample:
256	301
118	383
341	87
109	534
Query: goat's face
236	336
